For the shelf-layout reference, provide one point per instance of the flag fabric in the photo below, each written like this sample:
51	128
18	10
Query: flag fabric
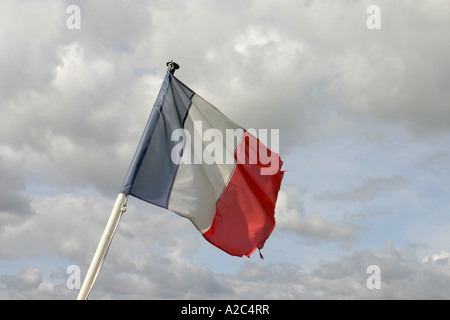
196	162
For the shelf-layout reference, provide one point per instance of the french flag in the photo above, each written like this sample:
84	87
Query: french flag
194	161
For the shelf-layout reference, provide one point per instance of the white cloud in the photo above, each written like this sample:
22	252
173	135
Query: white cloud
311	226
29	36
403	276
441	258
12	183
28	284
74	75
155	276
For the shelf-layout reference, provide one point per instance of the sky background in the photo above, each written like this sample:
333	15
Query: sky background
364	121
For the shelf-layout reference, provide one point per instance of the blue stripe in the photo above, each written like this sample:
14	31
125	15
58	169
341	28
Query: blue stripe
152	171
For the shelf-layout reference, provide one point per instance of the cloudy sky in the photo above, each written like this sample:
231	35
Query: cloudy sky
364	121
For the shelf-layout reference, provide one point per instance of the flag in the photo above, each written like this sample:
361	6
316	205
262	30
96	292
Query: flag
196	162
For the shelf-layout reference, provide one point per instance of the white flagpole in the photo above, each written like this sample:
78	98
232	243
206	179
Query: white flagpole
119	208
99	257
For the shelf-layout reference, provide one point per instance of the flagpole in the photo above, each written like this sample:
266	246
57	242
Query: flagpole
99	257
172	66
116	214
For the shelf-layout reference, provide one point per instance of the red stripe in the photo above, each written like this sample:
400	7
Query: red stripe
245	212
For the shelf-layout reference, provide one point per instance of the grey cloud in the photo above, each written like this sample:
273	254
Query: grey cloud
69	225
85	101
396	78
27	56
366	216
435	163
161	277
403	276
369	189
28	284
291	217
136	270
82	116
12	183
316	56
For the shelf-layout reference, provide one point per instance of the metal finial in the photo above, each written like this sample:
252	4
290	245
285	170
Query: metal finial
172	66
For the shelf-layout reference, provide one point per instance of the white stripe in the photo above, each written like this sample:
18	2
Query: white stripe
197	187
